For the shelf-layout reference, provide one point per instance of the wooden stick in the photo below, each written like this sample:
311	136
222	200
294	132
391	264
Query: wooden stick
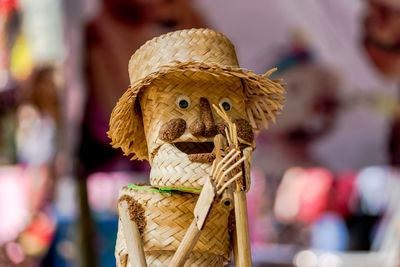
237	163
223	171
220	144
229	182
242	251
201	212
226	201
243	258
189	241
132	237
222	164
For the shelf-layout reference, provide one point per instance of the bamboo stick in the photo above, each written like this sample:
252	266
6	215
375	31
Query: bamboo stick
243	257
242	250
185	248
132	237
201	212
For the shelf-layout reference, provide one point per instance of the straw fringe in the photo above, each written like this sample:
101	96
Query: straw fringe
263	101
126	126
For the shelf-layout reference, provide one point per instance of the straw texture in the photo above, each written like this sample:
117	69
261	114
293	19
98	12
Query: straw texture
168	216
172	168
195	259
162	258
188	54
194	45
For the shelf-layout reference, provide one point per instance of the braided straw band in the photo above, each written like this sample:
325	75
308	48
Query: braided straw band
166	190
168	216
263	100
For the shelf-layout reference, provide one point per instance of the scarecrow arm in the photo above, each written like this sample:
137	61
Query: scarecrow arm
201	211
132	237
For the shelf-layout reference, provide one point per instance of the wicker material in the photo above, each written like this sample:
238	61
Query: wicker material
168	216
195	259
162	259
178	55
172	168
195	45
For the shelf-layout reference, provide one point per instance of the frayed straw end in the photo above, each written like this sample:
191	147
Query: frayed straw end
268	73
135	157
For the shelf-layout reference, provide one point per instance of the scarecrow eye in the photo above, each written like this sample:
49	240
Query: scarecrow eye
183	102
225	103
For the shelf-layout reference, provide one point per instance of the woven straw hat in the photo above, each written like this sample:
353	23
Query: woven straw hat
189	53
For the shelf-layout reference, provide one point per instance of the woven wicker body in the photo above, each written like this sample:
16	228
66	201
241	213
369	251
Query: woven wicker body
167	217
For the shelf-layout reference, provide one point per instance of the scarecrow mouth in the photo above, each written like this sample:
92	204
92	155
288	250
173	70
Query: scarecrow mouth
202	152
191	148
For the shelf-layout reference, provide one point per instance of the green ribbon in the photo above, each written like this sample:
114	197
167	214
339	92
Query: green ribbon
169	190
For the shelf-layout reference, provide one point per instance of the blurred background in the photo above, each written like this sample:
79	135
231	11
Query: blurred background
325	180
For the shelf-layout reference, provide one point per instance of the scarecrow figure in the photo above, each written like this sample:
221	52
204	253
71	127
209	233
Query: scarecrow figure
192	113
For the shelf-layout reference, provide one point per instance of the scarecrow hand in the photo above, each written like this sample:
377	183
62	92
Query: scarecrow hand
216	183
214	186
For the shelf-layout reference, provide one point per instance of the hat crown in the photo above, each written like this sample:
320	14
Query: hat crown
194	45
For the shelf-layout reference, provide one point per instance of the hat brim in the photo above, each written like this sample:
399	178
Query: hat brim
263	100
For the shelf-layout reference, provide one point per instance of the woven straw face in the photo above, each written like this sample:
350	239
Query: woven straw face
172	167
159	103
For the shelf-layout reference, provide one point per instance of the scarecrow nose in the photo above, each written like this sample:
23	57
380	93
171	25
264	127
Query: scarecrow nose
204	125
